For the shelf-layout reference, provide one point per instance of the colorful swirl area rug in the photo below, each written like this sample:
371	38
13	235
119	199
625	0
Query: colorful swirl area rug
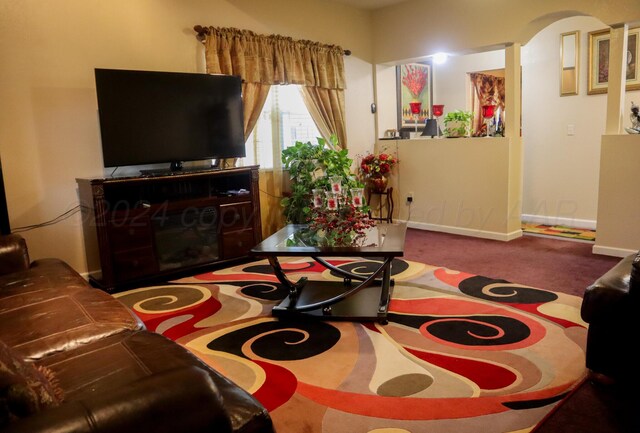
461	353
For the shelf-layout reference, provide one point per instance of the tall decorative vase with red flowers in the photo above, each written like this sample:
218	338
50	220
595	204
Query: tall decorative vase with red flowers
376	169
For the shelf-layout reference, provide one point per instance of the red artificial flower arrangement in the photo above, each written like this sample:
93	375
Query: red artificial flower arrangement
377	165
346	226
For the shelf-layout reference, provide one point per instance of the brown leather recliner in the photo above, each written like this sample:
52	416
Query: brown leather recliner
610	306
114	375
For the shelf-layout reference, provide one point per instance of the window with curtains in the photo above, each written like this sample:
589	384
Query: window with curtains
275	61
283	121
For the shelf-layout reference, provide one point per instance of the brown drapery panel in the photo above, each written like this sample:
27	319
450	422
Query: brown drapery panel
485	90
254	96
275	59
327	109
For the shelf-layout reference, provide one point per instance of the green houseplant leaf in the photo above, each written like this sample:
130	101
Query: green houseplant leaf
310	166
458	123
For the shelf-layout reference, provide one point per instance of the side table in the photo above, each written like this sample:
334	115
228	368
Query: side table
385	203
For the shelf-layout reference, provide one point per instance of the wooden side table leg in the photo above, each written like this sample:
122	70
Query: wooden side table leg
390	205
385	205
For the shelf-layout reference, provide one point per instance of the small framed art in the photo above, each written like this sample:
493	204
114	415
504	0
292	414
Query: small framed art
414	83
598	75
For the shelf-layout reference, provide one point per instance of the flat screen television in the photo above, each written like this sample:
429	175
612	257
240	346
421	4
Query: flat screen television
168	117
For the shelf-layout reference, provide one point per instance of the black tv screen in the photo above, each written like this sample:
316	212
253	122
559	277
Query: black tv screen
156	117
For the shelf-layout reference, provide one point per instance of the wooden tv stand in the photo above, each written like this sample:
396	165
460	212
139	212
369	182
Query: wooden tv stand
148	227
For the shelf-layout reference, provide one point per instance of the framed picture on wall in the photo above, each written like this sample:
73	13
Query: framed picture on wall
414	83
598	75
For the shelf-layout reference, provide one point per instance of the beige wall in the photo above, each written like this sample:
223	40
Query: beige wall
48	121
462	186
561	171
460	26
619	205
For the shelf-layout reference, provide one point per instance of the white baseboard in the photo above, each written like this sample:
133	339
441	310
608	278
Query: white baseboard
568	222
611	251
464	231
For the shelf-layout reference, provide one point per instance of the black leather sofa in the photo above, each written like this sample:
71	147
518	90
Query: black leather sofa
106	373
610	306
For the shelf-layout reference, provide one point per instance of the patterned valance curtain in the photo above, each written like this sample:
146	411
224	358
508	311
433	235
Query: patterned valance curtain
486	90
265	60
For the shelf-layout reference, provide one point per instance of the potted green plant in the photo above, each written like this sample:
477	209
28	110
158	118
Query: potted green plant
310	167
458	123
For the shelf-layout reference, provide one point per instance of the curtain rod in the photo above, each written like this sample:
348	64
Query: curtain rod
202	32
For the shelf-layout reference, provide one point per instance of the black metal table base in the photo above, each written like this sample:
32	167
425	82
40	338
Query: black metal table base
367	300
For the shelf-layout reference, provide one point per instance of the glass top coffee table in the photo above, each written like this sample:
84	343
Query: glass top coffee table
359	296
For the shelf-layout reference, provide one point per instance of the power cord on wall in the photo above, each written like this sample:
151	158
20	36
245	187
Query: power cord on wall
51	222
270	195
409	198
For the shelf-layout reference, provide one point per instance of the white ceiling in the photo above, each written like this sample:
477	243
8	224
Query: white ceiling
369	4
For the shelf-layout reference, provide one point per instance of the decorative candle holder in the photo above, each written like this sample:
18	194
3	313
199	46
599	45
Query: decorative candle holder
487	113
318	197
336	184
356	197
416	107
332	200
438	110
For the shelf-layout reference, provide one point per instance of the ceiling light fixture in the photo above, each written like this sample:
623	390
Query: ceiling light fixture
440	58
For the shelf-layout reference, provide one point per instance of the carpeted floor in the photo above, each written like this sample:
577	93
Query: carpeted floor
556	264
553	264
461	353
595	408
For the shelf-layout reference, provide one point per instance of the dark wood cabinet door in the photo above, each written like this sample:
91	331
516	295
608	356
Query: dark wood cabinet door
126	245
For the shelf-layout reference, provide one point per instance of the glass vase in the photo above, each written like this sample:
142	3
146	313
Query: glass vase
377	184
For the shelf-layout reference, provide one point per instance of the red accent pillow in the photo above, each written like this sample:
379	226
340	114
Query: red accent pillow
24	387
